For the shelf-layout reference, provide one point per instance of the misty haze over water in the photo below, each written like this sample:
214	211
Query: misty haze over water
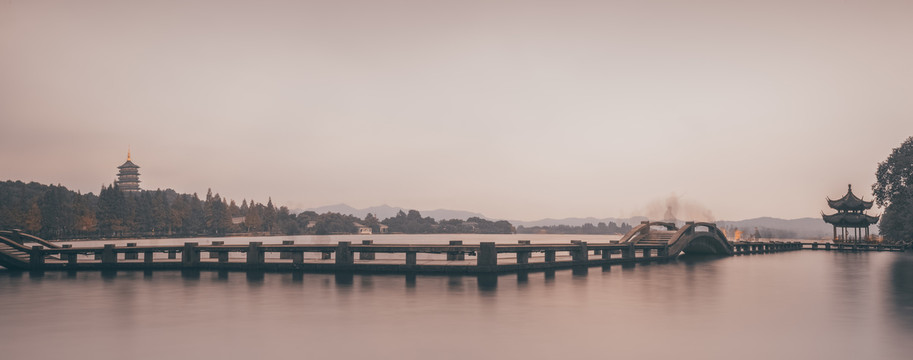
795	305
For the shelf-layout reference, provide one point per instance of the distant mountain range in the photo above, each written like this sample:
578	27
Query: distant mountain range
387	211
806	228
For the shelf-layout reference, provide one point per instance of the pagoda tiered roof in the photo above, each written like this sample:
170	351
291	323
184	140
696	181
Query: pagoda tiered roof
849	202
128	164
128	176
847	219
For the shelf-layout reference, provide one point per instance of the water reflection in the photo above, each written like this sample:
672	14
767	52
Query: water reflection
522	277
455	283
190	274
784	299
901	275
344	279
580	270
109	275
853	280
695	259
487	282
255	278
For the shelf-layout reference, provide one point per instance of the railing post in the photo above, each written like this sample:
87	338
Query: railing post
628	252
254	255
172	254
549	256
65	257
581	254
344	254
71	259
36	257
607	254
664	252
366	255
815	246
148	257
523	256
488	256
297	257
455	255
223	256
410	258
108	256
215	254
648	252
190	256
286	254
131	255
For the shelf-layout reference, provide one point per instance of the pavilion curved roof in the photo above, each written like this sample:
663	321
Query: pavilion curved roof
844	219
849	202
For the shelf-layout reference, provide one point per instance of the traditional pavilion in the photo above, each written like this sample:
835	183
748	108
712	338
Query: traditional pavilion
850	215
128	176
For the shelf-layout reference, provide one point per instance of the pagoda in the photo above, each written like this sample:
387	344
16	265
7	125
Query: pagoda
128	176
850	215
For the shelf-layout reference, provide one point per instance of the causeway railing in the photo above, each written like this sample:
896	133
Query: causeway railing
346	256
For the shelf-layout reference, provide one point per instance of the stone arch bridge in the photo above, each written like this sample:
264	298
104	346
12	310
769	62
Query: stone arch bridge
692	238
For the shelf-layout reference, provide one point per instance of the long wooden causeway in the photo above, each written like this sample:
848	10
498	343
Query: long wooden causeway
21	251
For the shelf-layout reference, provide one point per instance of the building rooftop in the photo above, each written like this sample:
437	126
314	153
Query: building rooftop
845	219
128	164
849	202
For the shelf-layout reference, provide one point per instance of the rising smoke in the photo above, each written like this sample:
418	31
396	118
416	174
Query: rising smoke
674	208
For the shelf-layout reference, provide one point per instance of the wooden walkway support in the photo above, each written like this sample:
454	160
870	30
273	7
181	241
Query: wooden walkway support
34	254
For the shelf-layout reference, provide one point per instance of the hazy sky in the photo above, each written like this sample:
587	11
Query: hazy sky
515	109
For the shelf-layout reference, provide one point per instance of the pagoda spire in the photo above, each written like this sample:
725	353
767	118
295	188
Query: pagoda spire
128	152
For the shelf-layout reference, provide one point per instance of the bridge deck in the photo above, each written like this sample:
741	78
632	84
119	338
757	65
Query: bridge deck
34	254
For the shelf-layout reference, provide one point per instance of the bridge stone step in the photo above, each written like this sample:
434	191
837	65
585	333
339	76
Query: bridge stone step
8	250
653	242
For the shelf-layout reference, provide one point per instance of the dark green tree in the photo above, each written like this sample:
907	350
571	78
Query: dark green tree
252	220
269	216
110	203
335	223
893	190
33	219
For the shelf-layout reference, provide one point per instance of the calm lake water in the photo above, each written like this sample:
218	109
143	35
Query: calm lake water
795	305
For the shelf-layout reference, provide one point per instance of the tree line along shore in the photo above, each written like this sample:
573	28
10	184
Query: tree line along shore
54	212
